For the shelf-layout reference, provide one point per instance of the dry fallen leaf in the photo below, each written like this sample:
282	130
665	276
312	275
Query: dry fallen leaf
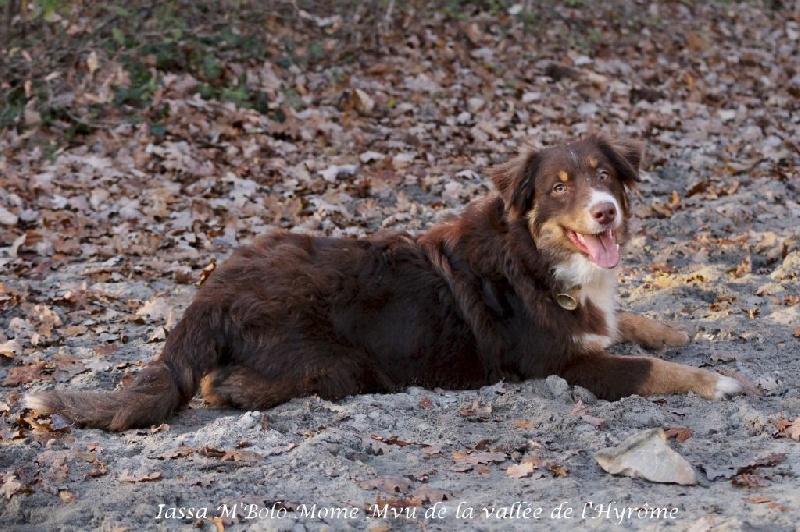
10	349
794	429
662	267
482	445
387	484
238	455
11	484
749	480
155	310
786	428
483	457
425	403
26	374
47	321
427	494
67	496
363	102
392	440
51	423
178	452
594	421
430	450
749	476
533	459
477	411
758	499
126	476
779	507
523	470
100	468
681	434
558	470
92	62
220	526
770	460
280	449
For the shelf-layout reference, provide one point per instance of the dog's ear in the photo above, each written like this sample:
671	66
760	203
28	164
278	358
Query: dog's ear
515	181
633	152
626	156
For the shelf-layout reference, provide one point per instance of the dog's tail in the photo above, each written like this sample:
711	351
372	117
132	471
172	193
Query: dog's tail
167	383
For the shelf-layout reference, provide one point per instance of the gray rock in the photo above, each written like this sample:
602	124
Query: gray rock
647	455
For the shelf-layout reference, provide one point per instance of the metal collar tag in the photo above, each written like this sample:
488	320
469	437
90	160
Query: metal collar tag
569	299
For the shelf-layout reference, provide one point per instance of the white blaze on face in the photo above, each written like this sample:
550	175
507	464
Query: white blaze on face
599	241
598	197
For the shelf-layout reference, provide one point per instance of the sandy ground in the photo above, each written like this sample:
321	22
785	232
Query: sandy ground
440	458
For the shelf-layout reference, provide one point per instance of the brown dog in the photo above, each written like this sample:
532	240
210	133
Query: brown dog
519	286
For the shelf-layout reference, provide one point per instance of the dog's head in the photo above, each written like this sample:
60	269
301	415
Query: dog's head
574	196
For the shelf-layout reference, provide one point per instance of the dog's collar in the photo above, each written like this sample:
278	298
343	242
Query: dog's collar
568	299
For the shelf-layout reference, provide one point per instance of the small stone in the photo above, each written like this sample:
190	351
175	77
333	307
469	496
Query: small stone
249	420
558	387
647	455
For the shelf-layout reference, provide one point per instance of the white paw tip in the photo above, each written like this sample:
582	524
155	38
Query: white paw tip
726	386
34	402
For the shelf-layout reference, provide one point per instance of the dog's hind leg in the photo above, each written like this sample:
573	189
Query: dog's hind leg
242	387
336	375
612	377
647	332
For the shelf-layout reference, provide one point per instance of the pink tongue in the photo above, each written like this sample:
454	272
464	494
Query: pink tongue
602	249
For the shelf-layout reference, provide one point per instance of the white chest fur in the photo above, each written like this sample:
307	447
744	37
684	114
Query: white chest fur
598	285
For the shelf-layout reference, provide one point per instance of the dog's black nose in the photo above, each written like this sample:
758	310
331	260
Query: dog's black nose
604	212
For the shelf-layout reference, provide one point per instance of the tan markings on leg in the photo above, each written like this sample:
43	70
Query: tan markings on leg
208	393
245	388
648	332
614	376
670	377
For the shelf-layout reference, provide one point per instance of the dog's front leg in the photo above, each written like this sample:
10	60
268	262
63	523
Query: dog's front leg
648	332
612	377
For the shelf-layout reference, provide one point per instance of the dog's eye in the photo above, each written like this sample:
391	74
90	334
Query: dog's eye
560	188
603	175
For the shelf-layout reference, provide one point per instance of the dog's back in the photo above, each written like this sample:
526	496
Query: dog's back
518	286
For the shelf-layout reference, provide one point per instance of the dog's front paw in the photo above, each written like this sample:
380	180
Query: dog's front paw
675	337
660	335
728	387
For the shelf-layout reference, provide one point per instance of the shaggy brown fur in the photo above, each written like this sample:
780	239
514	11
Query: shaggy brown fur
473	301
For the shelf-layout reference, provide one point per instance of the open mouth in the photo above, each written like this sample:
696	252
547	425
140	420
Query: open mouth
602	248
